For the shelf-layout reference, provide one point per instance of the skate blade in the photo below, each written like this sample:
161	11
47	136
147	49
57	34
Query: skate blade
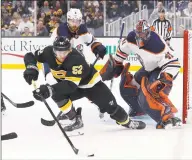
178	125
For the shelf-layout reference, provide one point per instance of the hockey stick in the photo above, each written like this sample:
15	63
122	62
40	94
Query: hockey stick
19	105
8	136
76	151
52	122
121	34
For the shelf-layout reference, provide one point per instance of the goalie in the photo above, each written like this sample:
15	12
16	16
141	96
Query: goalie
148	90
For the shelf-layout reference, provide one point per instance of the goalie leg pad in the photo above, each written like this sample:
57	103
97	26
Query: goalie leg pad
154	106
129	91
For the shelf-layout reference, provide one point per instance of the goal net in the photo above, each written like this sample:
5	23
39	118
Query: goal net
187	75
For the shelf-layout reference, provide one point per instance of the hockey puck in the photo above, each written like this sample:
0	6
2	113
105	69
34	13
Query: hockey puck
91	155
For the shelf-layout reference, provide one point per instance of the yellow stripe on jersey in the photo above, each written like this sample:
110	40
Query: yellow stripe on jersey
94	77
75	80
58	74
66	106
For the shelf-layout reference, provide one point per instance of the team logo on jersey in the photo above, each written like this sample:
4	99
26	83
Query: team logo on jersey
79	47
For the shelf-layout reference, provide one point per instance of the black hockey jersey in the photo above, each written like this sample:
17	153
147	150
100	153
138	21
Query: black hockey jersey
72	73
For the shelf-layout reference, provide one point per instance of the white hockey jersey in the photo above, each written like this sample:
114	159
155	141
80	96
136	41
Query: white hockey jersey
155	54
82	34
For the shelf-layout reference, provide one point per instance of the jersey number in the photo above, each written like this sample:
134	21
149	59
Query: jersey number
77	69
59	74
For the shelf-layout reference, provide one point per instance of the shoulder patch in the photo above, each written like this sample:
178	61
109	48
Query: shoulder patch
131	37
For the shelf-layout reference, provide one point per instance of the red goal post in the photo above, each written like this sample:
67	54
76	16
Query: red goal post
187	73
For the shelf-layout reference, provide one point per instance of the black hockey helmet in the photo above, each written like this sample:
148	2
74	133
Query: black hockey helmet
61	43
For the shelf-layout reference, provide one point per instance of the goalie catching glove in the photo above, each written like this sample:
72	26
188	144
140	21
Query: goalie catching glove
111	69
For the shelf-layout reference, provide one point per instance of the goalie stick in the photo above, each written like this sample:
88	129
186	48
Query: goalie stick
111	57
8	136
19	105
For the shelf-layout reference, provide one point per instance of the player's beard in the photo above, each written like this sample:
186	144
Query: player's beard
73	28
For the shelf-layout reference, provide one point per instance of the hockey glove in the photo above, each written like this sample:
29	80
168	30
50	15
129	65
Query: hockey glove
31	73
111	69
99	50
44	91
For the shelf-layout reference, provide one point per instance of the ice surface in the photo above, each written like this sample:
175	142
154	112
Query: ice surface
102	137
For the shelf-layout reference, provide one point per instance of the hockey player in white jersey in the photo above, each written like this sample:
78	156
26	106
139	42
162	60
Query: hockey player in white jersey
148	90
73	29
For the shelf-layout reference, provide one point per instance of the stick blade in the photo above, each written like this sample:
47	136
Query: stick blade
47	122
25	105
9	136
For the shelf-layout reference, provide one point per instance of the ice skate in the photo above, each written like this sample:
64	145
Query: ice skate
63	117
76	122
101	115
170	123
135	124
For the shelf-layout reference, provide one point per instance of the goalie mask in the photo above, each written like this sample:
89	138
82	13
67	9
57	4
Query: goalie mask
142	31
74	19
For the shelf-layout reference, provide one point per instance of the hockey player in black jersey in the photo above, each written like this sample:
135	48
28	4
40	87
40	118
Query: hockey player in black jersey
73	29
76	79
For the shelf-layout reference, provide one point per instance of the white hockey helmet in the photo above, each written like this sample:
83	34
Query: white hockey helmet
74	18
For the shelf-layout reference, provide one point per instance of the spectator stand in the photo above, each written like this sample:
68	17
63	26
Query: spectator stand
17	15
178	12
113	28
50	14
93	15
